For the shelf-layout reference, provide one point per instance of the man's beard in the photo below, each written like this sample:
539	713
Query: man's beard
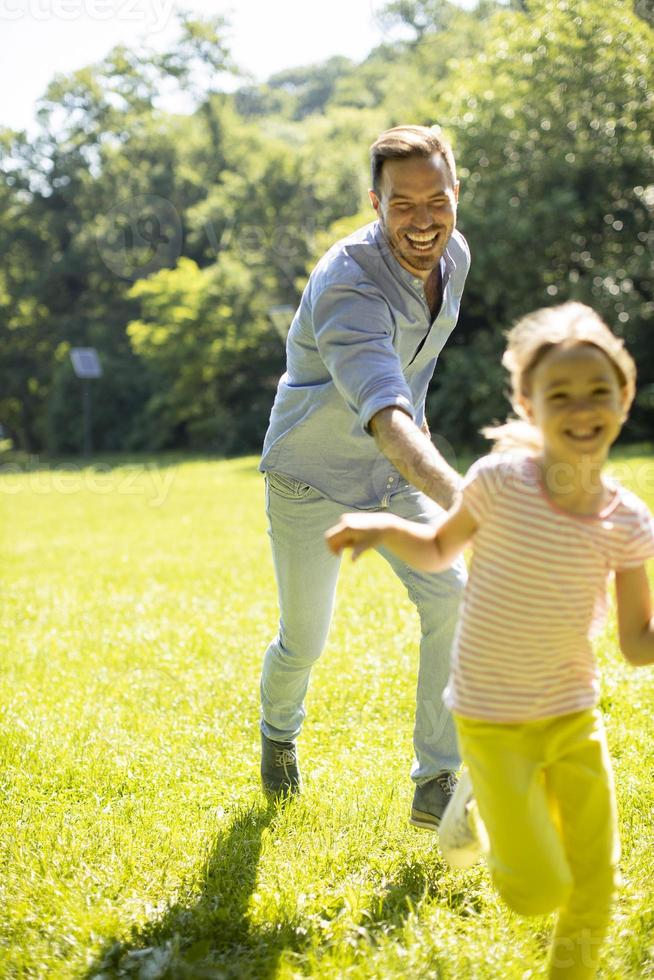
402	250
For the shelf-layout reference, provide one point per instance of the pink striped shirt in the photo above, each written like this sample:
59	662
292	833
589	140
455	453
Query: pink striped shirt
536	593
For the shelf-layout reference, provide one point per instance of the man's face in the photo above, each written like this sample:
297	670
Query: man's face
416	208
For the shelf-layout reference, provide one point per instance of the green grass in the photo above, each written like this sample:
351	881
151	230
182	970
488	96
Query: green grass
137	600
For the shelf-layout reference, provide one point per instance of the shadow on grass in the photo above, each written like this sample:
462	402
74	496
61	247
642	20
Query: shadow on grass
212	939
415	882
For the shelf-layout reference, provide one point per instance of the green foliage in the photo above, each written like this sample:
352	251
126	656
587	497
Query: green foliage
204	337
421	16
470	374
552	125
119	394
549	107
312	87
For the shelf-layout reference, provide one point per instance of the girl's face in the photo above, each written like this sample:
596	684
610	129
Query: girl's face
576	400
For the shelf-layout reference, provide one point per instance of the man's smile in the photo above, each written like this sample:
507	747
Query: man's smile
422	241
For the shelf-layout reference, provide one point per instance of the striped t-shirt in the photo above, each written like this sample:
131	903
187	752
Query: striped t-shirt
536	593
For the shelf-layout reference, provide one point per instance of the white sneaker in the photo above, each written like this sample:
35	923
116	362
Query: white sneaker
459	836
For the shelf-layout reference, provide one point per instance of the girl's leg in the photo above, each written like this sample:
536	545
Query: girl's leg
580	784
544	791
526	859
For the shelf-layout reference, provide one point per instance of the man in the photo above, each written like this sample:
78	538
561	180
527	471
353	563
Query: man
348	430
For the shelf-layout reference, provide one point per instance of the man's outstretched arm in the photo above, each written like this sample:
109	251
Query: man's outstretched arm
413	454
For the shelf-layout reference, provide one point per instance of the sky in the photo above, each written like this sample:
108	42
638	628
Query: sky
41	38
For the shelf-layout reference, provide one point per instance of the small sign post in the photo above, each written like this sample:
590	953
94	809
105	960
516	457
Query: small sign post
86	365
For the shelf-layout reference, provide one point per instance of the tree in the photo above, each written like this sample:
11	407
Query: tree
420	16
212	359
189	227
552	122
85	201
311	87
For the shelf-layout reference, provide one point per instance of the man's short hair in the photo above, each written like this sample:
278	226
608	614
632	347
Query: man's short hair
402	142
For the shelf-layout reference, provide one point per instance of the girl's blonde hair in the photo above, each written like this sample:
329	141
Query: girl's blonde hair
568	325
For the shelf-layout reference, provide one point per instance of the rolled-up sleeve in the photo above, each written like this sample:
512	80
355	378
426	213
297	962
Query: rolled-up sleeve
354	334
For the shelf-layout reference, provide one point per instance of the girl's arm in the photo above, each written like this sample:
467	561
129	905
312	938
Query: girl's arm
635	622
420	545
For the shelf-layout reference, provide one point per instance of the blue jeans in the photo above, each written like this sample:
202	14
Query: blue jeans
306	574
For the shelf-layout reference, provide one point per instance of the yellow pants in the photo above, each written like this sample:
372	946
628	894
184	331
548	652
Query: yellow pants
544	790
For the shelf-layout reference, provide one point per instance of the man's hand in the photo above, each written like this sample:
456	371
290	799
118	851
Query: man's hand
413	454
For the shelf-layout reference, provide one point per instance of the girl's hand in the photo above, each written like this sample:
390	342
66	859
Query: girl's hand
635	619
422	546
358	532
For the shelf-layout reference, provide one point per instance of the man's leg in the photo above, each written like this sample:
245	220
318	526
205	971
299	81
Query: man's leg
306	574
437	598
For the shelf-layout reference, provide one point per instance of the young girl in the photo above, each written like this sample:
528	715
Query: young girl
547	528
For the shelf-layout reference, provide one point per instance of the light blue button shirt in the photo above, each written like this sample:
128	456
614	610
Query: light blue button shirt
361	340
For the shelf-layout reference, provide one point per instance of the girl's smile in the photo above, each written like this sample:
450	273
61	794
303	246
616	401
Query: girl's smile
577	402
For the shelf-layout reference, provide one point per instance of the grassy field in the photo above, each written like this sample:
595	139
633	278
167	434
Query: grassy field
137	599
